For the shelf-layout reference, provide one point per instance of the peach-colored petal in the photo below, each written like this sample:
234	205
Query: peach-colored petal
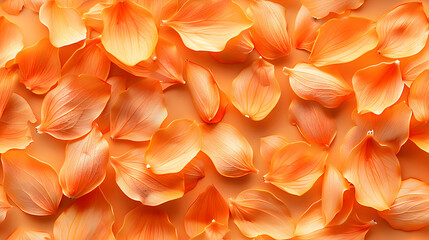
419	134
138	182
90	217
40	66
65	25
207	25
236	50
377	87
228	149
269	31
210	208
296	167
322	8
13	7
418	99
93	19
11	40
270	145
4	204
324	87
34	5
403	31
8	80
255	91
21	234
313	122
311	220
409	212
374	171
413	66
193	172
31	184
306	29
138	112
343	40
129	32
70	108
259	212
82	6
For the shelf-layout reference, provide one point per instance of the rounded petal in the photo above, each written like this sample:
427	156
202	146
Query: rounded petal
11	40
270	145
418	98
169	63
20	234
306	29
236	50
13	7
4	204
322	8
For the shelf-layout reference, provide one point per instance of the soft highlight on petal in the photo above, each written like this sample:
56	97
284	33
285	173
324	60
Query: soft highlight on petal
13	7
322	8
236	50
11	40
21	234
418	98
4	204
270	145
193	172
306	29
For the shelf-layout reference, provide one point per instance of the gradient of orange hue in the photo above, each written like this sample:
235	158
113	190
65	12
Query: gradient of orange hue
159	9
306	29
413	66
13	7
168	63
418	98
237	49
322	8
81	5
270	145
8	80
193	173
11	40
34	5
20	234
93	19
419	134
4	204
311	220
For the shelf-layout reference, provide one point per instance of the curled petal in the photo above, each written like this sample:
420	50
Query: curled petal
403	31
270	145
13	7
4	204
11	40
311	83
413	66
236	50
418	99
193	172
139	183
90	217
255	91
70	108
207	25
31	184
228	149
377	87
343	40
258	212
306	29
20	234
419	134
296	167
8	80
322	8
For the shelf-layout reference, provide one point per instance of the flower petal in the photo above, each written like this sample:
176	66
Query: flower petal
403	31
259	212
13	7
270	145
193	172
311	220
8	80
20	234
255	91
93	18
343	40
419	134
70	108
377	87
418	98
236	50
311	83
31	184
214	230
413	66
322	8
11	40
4	204
156	8
207	25
34	5
306	29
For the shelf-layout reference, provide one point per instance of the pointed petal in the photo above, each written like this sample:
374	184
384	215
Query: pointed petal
311	220
255	91
20	234
34	5
31	184
11	40
207	25
13	7
270	145
70	108
343	40
306	29
236	50
412	67
169	63
322	8
8	80
4	204
403	31
419	134
418	98
90	217
311	83
139	183
193	172
259	212
296	167
377	87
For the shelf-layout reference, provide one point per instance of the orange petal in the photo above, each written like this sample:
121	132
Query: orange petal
409	211
413	66
139	183
213	231
419	134
236	50
81	5
193	172
208	25
129	32
173	147
11	40
69	109
93	18
255	91
65	25
40	66
343	40
13	7
418	99
377	87
271	42
209	209
259	212
20	234
311	83
31	184
4	204
270	145
403	31
228	149
296	167
306	29
146	223
34	5
138	112
157	8
8	80
90	217
311	220
322	8
313	122
374	171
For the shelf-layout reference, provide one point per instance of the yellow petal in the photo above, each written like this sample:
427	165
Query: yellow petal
193	172
236	50
11	40
4	204
31	184
418	99
322	8
20	234
8	80
343	40
419	134
270	145
403	31
207	25
255	91
13	7
413	66
169	63
259	212
306	29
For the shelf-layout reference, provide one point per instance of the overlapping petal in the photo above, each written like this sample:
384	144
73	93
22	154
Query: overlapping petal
13	7
413	66
21	234
270	145
419	134
158	9
306	29
117	86
11	40
418	98
236	50
8	80
93	18
193	172
4	204
322	8
34	5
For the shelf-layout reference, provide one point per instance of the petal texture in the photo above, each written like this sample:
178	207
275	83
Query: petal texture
236	50
13	7
412	67
193	172
11	40
270	145
20	234
419	134
418	98
306	29
322	8
4	204
169	63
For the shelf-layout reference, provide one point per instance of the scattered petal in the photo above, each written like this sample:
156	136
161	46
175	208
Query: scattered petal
306	29
236	50
418	99
11	40
193	172
13	7
270	145
322	8
20	234
4	204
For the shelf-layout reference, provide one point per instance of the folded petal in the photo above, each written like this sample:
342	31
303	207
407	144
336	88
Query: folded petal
322	8
70	108
374	171
236	50
259	212
34	5
343	40
306	29
270	145
138	182
89	217
418	98
13	7
403	31
296	167
4	204
8	80
413	66
31	184
193	172
255	91
419	134
11	40
20	234
147	223
207	25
